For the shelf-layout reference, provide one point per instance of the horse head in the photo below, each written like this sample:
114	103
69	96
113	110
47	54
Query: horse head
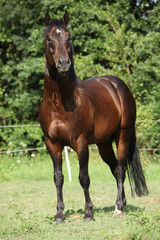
58	48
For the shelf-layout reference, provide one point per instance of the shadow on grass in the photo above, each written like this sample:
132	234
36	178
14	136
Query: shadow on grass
127	209
71	212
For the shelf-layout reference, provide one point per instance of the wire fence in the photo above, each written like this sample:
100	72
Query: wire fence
43	148
38	125
17	126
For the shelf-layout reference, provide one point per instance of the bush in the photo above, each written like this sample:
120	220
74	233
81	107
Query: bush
21	138
148	133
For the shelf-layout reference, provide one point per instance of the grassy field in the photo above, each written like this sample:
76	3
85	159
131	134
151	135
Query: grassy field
28	202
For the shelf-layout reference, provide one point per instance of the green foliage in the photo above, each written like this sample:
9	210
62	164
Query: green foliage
21	138
87	70
118	37
148	133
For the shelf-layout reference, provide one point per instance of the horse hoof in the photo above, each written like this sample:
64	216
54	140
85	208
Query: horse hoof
88	218
59	219
119	214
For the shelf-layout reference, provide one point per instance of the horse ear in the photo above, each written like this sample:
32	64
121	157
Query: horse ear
66	18
47	19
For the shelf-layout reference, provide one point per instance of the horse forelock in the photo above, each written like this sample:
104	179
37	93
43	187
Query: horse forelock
55	23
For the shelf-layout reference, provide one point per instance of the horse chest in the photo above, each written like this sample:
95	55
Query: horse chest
58	127
62	128
61	124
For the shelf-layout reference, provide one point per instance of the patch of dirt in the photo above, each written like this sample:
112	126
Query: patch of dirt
151	201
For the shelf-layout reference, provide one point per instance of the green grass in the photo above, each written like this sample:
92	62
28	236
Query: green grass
28	202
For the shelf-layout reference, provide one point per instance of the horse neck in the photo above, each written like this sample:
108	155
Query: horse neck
61	87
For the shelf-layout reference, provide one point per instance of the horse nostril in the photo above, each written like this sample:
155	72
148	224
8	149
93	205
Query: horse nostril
68	62
64	62
59	62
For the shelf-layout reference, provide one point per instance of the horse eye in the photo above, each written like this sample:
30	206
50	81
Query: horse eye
69	49
51	50
48	38
68	46
51	47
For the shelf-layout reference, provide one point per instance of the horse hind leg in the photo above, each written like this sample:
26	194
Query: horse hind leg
108	156
122	142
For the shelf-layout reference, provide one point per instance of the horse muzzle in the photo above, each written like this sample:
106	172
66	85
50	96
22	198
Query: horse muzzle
63	64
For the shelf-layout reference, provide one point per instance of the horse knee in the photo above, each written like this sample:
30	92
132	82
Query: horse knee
84	180
119	171
58	179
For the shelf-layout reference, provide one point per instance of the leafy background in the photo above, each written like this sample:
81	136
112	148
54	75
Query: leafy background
115	37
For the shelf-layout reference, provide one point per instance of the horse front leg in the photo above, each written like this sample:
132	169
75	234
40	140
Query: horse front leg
55	151
83	157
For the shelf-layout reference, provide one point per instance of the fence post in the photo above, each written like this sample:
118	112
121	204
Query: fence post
68	164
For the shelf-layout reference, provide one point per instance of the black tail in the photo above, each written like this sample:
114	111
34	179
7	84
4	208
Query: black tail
135	171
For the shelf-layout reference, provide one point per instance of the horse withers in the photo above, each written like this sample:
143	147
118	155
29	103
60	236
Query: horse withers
77	113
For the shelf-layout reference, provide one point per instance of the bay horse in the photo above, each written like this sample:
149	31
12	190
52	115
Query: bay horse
77	113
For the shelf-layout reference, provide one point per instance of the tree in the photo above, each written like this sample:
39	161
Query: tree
115	37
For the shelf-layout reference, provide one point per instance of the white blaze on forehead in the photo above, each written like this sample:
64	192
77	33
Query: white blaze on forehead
58	31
